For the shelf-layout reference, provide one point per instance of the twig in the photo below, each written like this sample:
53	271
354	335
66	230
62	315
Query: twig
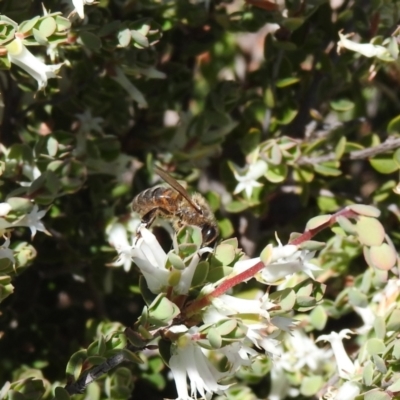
391	143
90	376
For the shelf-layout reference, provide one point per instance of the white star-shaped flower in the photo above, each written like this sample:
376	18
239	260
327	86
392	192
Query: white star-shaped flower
247	177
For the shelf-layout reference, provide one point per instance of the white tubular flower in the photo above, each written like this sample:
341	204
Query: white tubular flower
19	55
5	252
227	305
149	256
368	316
33	221
189	361
345	366
187	274
247	177
79	4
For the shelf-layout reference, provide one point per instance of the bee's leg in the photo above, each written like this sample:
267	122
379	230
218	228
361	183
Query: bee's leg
149	217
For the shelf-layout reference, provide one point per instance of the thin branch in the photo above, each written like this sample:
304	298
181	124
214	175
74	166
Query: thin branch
391	143
95	373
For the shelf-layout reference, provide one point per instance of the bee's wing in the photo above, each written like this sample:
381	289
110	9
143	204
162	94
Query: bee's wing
178	187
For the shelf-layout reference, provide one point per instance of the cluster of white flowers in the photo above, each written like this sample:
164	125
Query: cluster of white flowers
190	358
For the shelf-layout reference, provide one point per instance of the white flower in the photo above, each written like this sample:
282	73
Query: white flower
346	367
118	238
187	274
238	355
5	252
88	123
283	267
33	221
189	361
78	4
283	262
150	257
19	55
302	352
348	391
365	49
5	208
226	305
247	177
368	316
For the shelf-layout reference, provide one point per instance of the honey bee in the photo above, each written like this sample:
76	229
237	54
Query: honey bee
176	204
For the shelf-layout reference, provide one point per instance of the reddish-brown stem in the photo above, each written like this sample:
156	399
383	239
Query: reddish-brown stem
250	272
309	234
222	288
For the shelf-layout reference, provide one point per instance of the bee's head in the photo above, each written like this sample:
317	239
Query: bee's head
209	233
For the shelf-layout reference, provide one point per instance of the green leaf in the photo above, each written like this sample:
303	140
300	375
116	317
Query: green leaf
310	385
61	394
282	83
367	211
357	299
236	206
384	164
396	349
90	40
327	169
377	394
75	364
27	26
375	346
380	327
214	338
20	204
393	125
319	318
395	387
368	373
383	257
63	24
316	222
340	147
396	157
226	327
176	261
286	298
293	23
124	37
225	254
47	26
342	105
140	41
370	231
39	37
276	173
131	356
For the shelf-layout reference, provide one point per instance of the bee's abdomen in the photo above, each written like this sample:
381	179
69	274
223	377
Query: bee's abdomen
156	197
